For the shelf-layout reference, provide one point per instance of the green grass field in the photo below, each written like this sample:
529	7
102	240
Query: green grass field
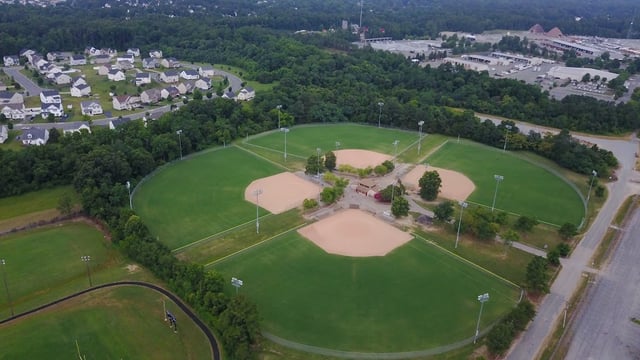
526	189
116	323
201	196
34	201
417	297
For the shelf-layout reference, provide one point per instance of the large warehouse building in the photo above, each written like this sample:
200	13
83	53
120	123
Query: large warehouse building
572	73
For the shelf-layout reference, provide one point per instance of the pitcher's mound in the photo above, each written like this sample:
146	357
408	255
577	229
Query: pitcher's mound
355	233
455	185
281	192
360	159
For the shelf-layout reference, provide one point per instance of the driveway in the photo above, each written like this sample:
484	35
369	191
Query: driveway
32	88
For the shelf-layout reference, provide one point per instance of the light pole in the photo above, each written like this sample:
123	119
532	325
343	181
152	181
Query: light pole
279	107
130	200
420	123
593	177
337	145
237	283
179	132
86	260
257	193
463	205
380	105
506	136
318	152
483	299
498	178
285	131
395	146
6	287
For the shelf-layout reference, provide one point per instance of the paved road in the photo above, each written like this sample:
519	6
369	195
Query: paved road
25	82
550	309
603	329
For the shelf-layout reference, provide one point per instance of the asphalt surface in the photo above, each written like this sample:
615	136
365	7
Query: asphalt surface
215	349
25	82
603	329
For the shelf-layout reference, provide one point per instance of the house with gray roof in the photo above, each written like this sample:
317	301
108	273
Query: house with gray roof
9	97
189	75
115	123
150	96
91	108
76	60
34	136
4	133
11	60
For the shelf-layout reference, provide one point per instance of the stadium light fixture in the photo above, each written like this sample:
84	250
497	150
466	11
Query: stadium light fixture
420	123
179	132
285	131
130	199
498	179
593	177
6	286
506	136
86	260
463	205
257	193
483	299
395	146
380	105
318	150
279	107
237	283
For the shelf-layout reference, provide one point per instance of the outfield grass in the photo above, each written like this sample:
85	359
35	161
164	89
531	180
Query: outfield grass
116	323
302	141
201	196
44	264
526	190
417	297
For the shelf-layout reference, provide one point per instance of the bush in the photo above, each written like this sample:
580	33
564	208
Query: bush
553	257
389	165
400	207
500	337
365	172
309	203
567	231
444	211
329	178
380	170
328	195
525	223
347	169
563	249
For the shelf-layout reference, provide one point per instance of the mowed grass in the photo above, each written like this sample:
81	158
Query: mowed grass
417	297
200	196
114	323
34	201
526	189
302	141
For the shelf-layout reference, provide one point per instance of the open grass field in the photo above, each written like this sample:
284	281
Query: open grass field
34	201
417	297
200	196
116	323
526	189
44	264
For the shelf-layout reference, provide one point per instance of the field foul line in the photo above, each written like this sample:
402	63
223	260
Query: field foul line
263	158
466	261
183	247
273	150
254	245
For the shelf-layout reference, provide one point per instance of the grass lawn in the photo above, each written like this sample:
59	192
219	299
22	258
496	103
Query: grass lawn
11	143
44	264
34	201
526	190
115	323
201	196
417	297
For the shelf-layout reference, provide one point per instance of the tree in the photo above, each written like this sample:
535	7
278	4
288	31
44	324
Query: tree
314	165
537	279
509	237
240	327
400	206
553	257
330	161
390	192
563	249
525	223
328	195
500	337
567	231
444	211
65	204
430	184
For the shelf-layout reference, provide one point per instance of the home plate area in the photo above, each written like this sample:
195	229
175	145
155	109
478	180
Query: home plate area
355	233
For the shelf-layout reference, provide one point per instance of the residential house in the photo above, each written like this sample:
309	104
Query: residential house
170	91
203	83
229	95
123	65
125	102
246	94
51	108
206	71
150	96
150	63
70	128
13	111
116	75
126	57
11	60
62	79
189	75
133	51
115	123
101	59
37	61
26	52
104	69
155	54
51	70
55	56
8	97
91	108
78	80
4	133
50	97
76	60
170	76
80	90
143	78
186	87
34	136
170	63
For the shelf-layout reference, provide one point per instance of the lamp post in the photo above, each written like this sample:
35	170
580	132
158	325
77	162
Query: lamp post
420	123
506	136
483	299
593	177
395	146
237	283
130	200
380	105
257	193
279	107
86	260
6	287
498	178
463	205
285	131
179	132
318	152
337	145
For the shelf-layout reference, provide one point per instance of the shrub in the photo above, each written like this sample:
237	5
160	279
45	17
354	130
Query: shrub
568	230
328	195
380	170
347	169
330	178
389	165
563	249
309	203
